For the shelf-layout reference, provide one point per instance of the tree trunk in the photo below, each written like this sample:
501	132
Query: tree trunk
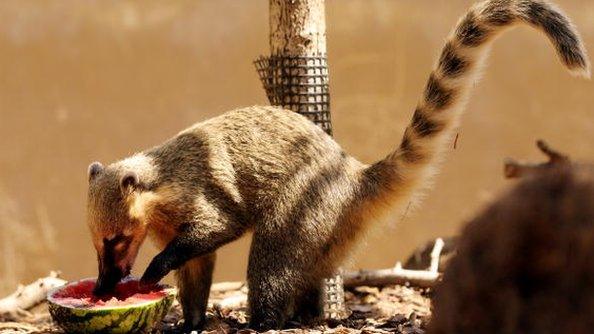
297	28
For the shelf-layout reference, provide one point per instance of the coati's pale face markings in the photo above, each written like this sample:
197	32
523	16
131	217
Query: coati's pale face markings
273	172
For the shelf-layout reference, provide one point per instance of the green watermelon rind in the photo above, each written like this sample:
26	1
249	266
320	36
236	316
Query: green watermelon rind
114	319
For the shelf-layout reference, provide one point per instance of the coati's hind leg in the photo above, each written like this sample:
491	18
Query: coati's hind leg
194	281
309	306
273	279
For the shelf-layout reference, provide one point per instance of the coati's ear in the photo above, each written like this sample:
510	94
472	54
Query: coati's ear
94	169
129	182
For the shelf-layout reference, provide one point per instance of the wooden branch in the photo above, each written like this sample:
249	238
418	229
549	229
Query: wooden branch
396	275
231	302
227	286
514	169
421	258
30	295
436	255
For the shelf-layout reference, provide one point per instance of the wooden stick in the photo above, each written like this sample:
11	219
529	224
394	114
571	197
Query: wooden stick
227	286
30	295
231	302
396	275
436	255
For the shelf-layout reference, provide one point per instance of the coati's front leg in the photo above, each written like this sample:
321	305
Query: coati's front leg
192	251
194	279
270	297
193	240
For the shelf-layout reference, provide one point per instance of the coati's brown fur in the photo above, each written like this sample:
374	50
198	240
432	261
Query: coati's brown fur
525	265
274	172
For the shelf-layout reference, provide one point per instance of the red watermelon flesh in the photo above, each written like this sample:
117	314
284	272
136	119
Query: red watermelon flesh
127	292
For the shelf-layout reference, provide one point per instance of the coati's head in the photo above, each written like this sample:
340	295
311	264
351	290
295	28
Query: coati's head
117	228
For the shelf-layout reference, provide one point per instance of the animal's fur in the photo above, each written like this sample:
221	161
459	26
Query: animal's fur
273	171
525	264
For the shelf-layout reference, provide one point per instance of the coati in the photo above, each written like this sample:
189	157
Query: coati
274	172
524	265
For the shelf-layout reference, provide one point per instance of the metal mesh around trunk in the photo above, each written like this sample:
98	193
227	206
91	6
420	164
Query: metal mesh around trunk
299	84
333	294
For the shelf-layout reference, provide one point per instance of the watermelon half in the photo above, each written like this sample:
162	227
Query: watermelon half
131	308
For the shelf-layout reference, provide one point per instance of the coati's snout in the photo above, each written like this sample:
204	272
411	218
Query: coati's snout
116	234
114	263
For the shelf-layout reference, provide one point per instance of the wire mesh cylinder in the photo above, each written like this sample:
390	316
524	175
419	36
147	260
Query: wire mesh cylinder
299	84
333	294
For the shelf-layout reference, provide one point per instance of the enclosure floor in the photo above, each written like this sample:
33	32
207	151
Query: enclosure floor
392	309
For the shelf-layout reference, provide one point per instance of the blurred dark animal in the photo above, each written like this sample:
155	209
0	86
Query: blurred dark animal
525	264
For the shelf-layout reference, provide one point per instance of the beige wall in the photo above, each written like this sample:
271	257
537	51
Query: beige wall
98	80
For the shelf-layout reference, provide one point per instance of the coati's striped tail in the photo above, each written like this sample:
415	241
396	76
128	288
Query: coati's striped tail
449	84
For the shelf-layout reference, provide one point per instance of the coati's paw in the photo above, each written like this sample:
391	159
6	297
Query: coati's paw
194	319
157	269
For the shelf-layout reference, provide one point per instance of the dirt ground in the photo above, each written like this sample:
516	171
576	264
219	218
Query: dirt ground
391	309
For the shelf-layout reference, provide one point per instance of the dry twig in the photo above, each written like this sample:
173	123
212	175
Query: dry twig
227	286
28	296
398	275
